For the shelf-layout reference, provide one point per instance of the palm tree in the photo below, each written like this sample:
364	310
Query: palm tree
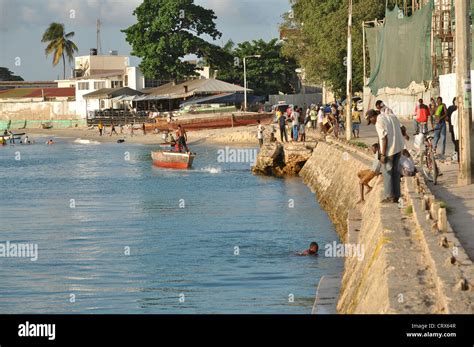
59	44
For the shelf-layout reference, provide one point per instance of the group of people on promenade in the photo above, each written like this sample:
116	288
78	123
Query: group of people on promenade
439	117
328	119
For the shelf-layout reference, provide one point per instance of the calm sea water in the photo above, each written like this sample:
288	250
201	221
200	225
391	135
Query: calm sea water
231	249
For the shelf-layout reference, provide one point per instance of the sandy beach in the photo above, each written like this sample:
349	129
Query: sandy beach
237	135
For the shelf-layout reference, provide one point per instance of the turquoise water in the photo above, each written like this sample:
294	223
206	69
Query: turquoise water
214	239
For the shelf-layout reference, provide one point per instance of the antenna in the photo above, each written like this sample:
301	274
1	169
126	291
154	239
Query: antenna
99	48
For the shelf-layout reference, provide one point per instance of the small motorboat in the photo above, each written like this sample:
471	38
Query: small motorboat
173	159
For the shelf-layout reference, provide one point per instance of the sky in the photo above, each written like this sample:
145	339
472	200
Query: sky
22	23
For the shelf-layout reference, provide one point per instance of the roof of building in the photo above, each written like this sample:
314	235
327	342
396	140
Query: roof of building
225	98
196	86
37	93
109	93
27	82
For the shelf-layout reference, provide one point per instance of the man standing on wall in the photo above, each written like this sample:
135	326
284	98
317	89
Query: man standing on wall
391	134
281	118
440	125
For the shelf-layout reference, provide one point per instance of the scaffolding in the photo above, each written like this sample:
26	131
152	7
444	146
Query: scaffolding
442	41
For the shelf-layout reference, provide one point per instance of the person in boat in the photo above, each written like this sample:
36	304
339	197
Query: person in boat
182	138
26	141
171	140
312	250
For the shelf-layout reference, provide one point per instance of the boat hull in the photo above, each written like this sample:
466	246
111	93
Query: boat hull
214	121
172	160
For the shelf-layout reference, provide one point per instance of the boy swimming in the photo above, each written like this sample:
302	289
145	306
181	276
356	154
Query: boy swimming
312	250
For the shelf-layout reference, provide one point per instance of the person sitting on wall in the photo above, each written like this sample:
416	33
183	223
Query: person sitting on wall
407	165
365	176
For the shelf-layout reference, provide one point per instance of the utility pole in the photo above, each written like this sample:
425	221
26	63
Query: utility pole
349	77
364	58
245	78
463	82
245	86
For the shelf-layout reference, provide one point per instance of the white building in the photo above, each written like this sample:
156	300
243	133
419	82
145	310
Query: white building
93	72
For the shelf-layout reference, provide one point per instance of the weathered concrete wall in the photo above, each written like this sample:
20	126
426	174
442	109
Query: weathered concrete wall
401	270
331	172
44	110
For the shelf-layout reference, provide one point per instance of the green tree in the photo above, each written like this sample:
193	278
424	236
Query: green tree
270	74
7	75
320	41
168	30
59	44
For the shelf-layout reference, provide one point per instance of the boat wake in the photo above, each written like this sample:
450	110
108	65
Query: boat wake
86	142
211	170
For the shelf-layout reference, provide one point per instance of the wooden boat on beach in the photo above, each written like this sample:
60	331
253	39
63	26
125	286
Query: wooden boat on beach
213	121
172	159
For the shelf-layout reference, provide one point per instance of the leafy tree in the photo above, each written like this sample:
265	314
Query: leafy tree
7	75
270	74
319	42
168	30
59	44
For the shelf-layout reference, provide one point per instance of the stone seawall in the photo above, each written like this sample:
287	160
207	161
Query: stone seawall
411	263
403	270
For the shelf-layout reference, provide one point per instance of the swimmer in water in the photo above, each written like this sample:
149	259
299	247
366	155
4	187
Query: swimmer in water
50	142
313	250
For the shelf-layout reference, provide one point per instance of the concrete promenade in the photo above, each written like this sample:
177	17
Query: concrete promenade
459	199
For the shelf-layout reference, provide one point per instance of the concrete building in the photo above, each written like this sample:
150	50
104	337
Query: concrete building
93	72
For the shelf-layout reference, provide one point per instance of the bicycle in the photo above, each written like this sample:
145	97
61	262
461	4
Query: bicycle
428	160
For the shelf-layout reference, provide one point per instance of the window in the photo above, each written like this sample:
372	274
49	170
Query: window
153	83
99	85
126	80
117	84
83	86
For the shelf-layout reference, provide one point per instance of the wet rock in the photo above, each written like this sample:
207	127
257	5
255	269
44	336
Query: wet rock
269	158
274	159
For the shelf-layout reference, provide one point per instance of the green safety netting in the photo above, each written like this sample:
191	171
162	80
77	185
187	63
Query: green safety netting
400	50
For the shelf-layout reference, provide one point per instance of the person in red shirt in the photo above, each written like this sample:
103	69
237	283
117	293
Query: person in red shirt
422	112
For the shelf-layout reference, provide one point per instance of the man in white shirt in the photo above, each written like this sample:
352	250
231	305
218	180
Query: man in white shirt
454	119
260	130
391	134
295	123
